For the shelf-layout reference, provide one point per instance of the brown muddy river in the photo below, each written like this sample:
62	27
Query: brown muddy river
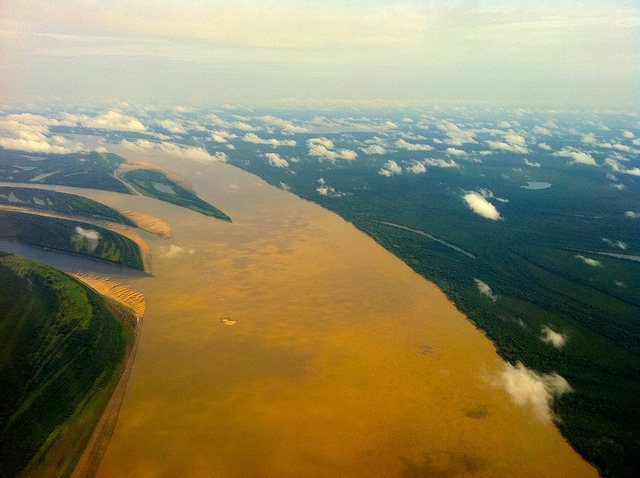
342	362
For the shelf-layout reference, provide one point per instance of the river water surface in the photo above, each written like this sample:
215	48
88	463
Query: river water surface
342	361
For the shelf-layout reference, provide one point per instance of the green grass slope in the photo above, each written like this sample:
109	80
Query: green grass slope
156	185
64	203
61	353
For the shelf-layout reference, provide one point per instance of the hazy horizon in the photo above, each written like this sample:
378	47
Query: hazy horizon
561	54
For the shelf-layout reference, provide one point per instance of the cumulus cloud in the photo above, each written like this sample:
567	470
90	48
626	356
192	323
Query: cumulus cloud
529	163
114	121
512	142
325	190
401	143
481	206
589	262
231	125
576	156
632	214
254	138
282	123
549	336
622	245
193	153
417	168
541	130
440	163
276	161
88	236
628	134
323	148
374	149
34	142
390	168
456	136
174	251
138	145
544	146
527	388
222	136
172	126
487	194
485	289
615	166
455	152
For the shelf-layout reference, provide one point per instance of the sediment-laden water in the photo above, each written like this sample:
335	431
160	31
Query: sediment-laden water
289	344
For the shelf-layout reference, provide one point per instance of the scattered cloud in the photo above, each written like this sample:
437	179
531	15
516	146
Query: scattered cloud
89	236
172	126
544	146
529	163
632	214
114	121
401	143
323	148
628	134
192	153
549	336
512	142
440	163
254	138
589	262
374	149
390	168
276	161
174	251
231	125
615	166
576	156
455	152
485	289
222	136
456	136
481	206
541	130
417	168
529	388
619	244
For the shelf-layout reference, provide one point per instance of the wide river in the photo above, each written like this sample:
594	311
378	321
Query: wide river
343	362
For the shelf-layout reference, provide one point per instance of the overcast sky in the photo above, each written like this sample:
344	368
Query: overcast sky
529	53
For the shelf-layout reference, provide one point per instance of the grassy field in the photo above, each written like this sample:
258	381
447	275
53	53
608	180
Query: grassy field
156	185
62	350
64	203
70	236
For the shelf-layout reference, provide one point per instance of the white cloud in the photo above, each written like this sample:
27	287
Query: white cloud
138	145
455	152
632	214
544	146
90	235
324	149
282	123
390	168
192	153
174	251
172	126
514	143
407	120
481	206
114	121
549	336
504	124
401	143
576	156
628	134
529	388
622	245
589	262
329	191
254	138
276	161
529	163
551	124
485	289
417	168
35	142
615	166
487	194
389	125
231	125
374	149
440	163
222	136
541	130
456	135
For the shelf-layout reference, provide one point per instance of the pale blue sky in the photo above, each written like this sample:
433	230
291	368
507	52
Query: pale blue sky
532	53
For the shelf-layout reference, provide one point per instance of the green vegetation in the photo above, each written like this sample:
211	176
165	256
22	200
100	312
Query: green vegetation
70	204
83	170
156	185
62	351
70	236
528	259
